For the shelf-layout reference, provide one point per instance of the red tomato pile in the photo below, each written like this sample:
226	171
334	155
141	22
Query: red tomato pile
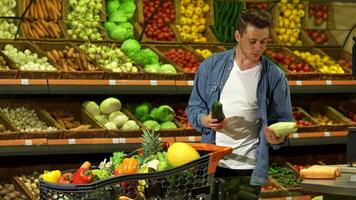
289	61
181	116
317	35
260	5
300	118
158	28
184	58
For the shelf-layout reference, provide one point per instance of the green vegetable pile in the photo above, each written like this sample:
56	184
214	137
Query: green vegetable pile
284	176
155	118
119	24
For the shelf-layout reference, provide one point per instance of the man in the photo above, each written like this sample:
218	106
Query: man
254	93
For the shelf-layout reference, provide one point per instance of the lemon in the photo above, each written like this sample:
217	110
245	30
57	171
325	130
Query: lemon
299	43
282	7
286	22
195	18
287	13
188	13
301	13
186	29
185	2
200	3
292	25
198	11
202	21
183	20
206	8
201	29
194	29
292	40
203	39
191	7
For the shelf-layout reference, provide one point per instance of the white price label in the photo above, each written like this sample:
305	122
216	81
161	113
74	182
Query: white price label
328	82
28	142
112	82
295	135
71	141
24	82
122	140
191	83
191	139
115	141
153	82
289	198
299	83
327	134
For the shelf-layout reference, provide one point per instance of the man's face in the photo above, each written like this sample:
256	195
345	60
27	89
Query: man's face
252	42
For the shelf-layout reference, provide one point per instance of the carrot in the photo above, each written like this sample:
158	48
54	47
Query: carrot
60	53
39	11
55	55
79	64
53	29
83	59
70	52
44	9
43	29
50	56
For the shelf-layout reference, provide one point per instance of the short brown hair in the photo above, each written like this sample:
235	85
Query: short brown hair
255	17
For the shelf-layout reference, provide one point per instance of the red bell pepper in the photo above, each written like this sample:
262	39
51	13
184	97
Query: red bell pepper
66	178
83	175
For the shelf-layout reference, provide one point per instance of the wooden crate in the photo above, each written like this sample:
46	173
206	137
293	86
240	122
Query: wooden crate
163	48
145	38
11	133
46	47
21	46
42	116
337	54
31	33
209	16
309	19
47	14
330	41
11	73
315	127
80	115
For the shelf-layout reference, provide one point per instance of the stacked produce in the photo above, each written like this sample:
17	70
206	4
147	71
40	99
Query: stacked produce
204	52
25	119
289	61
226	14
151	159
83	19
289	22
3	64
155	118
181	116
318	36
284	176
8	192
319	11
300	118
8	26
345	63
352	116
324	119
67	121
119	23
184	58
109	58
70	59
31	181
260	5
325	64
41	20
193	19
27	60
109	115
146	57
158	27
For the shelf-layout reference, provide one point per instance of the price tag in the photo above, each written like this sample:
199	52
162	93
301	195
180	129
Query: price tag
295	135
329	82
289	198
71	141
24	82
28	142
115	141
191	139
112	82
191	83
327	134
299	83
153	82
122	140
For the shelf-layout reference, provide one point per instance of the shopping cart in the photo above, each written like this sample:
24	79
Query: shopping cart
193	180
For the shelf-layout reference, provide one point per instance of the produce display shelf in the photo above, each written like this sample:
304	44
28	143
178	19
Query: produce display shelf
84	145
62	86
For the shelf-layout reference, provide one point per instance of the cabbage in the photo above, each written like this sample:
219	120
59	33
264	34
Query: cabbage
109	26
117	16
120	120
152	125
163	113
122	32
130	45
142	111
129	7
110	105
111	126
130	125
112	6
144	57
91	107
168	125
115	114
102	119
154	68
168	68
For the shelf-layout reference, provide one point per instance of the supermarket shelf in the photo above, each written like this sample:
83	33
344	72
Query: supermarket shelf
111	86
23	86
317	138
106	145
54	86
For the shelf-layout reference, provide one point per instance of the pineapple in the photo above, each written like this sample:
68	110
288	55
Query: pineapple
150	145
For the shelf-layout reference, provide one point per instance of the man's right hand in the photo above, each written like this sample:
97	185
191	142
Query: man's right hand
209	122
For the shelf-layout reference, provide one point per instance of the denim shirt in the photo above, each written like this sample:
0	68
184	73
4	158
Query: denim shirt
273	101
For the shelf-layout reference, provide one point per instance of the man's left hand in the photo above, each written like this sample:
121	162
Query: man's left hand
272	138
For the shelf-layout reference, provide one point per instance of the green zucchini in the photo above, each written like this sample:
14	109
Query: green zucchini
217	111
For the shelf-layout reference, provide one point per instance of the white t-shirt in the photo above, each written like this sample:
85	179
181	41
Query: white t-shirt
239	101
